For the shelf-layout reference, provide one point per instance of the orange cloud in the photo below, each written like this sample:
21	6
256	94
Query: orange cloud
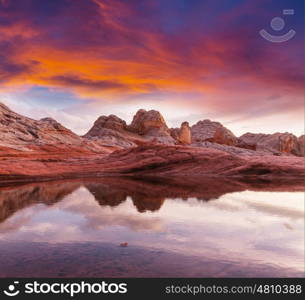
113	49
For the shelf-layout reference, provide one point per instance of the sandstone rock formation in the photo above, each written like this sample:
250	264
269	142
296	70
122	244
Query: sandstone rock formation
44	149
208	131
146	126
240	151
183	134
145	121
152	126
163	160
18	130
111	131
301	141
111	122
151	160
22	133
277	143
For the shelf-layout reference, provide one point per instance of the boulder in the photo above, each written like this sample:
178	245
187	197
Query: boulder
146	121
151	126
183	134
214	132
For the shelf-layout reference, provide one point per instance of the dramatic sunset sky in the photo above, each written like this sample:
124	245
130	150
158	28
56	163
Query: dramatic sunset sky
75	60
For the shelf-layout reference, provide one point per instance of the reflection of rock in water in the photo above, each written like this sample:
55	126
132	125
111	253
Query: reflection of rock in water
15	198
144	203
105	194
202	188
111	194
150	194
147	195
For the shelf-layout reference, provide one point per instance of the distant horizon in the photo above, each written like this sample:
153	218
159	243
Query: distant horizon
128	122
190	60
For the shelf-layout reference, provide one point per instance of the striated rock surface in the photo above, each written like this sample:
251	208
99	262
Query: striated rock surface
44	149
111	131
277	143
19	130
152	126
148	160
232	149
208	131
152	160
22	133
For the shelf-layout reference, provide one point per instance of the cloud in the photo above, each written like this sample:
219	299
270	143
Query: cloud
75	81
121	50
10	68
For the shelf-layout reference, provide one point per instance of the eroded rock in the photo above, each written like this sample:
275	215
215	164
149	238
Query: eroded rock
277	143
215	132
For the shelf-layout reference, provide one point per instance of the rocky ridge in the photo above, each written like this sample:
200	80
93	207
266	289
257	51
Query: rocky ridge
152	160
145	126
148	126
110	133
43	149
277	143
21	133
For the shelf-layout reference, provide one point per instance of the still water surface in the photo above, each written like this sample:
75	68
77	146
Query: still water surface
75	228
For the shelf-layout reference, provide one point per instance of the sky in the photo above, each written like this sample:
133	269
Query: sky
75	60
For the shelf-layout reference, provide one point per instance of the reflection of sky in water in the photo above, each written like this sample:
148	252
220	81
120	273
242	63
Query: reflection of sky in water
262	227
